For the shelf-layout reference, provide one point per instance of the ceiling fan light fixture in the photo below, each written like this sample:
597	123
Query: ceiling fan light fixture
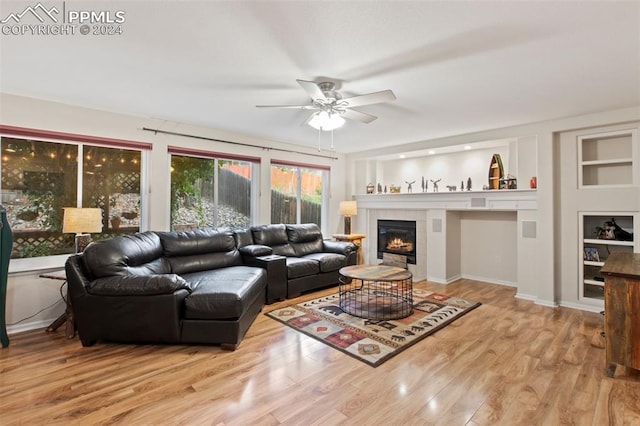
323	120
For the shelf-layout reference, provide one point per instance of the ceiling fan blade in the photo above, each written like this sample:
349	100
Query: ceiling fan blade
312	89
371	98
352	114
287	106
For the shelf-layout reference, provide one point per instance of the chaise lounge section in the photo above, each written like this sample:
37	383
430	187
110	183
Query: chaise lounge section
165	287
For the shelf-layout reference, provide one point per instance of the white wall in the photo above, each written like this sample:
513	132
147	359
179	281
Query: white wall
27	294
489	247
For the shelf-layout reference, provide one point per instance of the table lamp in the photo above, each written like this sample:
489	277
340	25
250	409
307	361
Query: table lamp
348	209
82	221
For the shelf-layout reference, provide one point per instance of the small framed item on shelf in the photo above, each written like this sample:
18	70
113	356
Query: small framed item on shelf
591	254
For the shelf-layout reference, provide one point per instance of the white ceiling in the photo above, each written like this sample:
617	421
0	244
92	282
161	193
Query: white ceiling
455	67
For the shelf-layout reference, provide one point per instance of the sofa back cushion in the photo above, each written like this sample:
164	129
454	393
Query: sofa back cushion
274	236
305	238
200	250
243	237
137	254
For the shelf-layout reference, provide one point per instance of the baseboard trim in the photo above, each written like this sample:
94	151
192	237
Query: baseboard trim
28	326
489	280
582	307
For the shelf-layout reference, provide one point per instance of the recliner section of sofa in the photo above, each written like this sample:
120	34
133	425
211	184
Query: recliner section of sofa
311	262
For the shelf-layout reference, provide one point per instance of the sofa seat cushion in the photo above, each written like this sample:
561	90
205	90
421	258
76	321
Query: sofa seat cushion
223	293
328	262
300	267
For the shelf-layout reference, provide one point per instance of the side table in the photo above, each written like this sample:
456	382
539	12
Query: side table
355	239
67	316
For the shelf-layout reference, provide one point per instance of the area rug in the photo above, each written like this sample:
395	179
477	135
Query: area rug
372	342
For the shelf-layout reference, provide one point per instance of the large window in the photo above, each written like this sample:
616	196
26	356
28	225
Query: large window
39	178
210	192
296	194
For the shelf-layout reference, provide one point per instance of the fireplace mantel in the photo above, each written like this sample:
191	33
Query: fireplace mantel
442	237
499	200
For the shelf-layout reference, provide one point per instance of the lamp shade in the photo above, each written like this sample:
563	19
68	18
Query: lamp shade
322	120
81	220
348	208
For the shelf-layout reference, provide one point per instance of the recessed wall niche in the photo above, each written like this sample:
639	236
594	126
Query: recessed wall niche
451	166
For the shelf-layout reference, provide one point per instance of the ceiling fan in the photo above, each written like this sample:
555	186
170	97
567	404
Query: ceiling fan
331	109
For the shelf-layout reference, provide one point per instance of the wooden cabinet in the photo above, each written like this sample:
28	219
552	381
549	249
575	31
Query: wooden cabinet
622	311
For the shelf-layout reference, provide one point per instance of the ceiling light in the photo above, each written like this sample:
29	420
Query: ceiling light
403	156
467	147
431	152
322	120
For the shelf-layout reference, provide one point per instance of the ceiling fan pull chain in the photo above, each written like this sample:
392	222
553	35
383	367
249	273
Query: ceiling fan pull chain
319	131
331	138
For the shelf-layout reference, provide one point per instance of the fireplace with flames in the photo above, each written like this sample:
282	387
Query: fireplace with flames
397	237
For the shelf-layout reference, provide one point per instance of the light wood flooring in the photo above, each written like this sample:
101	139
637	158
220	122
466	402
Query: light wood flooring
508	362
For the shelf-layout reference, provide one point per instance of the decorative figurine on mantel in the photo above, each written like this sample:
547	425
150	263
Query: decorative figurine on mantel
380	188
435	184
451	188
385	189
469	184
423	187
409	188
370	188
461	185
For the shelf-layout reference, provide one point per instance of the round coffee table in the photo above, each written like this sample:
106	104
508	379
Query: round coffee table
376	292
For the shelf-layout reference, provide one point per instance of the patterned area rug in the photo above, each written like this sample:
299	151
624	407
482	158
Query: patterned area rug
372	342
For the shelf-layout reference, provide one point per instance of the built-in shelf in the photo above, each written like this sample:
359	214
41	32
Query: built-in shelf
607	159
595	251
593	282
497	199
608	242
605	162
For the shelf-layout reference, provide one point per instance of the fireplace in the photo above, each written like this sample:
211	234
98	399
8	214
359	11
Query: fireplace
397	237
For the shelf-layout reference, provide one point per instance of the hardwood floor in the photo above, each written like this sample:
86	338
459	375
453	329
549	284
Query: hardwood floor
507	362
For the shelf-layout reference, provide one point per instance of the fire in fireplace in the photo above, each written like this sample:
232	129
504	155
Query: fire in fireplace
397	237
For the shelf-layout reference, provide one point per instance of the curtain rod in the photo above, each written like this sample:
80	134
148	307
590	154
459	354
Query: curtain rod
186	135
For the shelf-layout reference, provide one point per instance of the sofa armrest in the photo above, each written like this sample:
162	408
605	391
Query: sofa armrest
130	285
340	247
276	267
255	250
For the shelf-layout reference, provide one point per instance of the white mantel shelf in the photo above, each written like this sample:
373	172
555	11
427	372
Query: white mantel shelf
498	199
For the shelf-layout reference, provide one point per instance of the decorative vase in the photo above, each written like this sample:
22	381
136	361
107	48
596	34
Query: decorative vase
533	182
370	188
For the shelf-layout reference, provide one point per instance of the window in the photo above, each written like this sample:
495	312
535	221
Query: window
39	178
296	194
111	181
210	192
